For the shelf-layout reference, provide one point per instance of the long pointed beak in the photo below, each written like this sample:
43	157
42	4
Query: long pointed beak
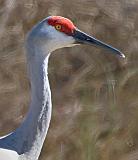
83	38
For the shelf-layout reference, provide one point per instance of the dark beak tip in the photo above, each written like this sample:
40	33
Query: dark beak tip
122	55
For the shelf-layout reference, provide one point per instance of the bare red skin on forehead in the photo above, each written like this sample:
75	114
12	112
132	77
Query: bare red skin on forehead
67	26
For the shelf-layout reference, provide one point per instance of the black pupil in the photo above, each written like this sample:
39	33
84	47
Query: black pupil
58	26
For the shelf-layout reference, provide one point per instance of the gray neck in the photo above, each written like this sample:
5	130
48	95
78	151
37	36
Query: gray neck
28	139
33	131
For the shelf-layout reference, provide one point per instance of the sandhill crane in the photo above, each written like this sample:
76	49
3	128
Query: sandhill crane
52	33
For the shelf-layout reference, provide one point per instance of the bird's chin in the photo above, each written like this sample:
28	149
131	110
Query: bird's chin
73	44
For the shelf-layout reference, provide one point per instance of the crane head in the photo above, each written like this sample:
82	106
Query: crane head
57	32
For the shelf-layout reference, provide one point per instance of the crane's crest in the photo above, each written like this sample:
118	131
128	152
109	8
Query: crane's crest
61	24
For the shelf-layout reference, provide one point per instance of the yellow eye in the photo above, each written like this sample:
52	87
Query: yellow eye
58	27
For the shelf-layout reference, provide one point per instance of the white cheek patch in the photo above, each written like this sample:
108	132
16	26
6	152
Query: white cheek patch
57	39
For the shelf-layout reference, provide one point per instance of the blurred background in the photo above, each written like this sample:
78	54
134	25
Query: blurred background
94	93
